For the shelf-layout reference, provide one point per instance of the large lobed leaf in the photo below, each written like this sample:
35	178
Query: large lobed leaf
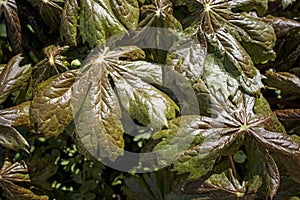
235	125
97	93
236	40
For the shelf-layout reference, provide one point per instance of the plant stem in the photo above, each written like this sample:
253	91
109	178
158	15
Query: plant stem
6	155
232	166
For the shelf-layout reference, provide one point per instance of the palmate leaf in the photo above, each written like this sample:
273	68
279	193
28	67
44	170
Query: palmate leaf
232	40
227	186
11	175
96	93
210	138
13	77
159	14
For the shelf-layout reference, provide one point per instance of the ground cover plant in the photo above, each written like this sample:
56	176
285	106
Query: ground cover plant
152	99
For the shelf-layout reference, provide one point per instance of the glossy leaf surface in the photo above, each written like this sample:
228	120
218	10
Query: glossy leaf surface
13	77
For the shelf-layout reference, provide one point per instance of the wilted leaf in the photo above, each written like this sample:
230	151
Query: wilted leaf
16	116
13	25
97	21
69	21
11	175
13	77
12	139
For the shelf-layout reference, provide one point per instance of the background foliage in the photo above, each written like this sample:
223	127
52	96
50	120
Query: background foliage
241	57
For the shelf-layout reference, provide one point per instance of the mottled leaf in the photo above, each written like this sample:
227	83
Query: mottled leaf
187	55
281	25
217	77
97	21
51	106
12	139
13	77
284	147
127	11
232	40
13	25
209	138
104	84
273	177
16	116
69	22
11	175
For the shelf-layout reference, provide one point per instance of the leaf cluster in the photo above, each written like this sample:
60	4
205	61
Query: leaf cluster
209	86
